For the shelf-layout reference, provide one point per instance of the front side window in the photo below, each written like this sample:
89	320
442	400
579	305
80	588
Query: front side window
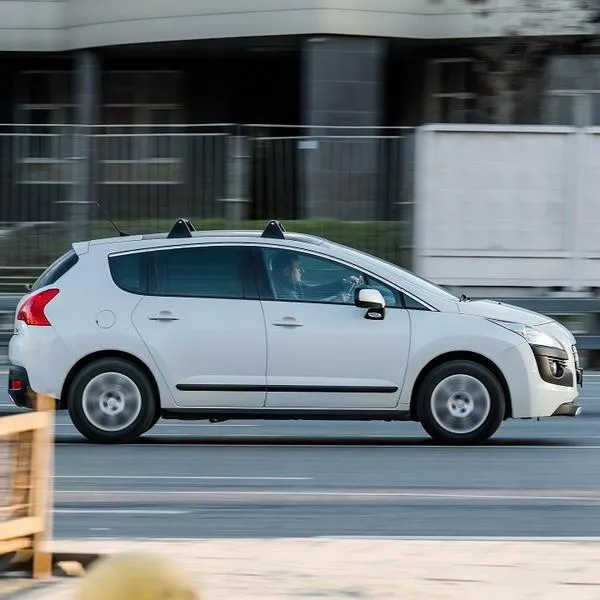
206	272
304	278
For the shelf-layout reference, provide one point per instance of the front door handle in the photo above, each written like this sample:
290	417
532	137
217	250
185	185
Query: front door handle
287	322
163	316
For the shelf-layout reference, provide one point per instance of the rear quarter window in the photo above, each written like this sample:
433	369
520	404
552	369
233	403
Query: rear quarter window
56	270
129	272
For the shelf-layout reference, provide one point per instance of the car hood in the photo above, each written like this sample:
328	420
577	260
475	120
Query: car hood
491	309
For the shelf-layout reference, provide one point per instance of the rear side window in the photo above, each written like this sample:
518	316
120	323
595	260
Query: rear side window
208	272
129	272
56	270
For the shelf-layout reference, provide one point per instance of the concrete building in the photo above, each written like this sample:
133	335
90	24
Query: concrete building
328	66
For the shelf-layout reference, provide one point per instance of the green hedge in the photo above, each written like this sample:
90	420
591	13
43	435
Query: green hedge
38	245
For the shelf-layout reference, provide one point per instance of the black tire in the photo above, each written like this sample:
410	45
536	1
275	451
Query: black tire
446	417
154	421
127	385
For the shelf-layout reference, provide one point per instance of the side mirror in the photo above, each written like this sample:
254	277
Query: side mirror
373	301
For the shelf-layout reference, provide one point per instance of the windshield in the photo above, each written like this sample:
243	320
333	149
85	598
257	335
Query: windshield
424	284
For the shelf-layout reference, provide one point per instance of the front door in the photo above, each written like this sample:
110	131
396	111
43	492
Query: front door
322	352
203	328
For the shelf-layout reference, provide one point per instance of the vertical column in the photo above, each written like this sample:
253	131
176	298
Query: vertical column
236	203
86	92
342	88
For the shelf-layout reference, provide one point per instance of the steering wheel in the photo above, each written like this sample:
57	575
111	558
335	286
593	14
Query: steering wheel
348	294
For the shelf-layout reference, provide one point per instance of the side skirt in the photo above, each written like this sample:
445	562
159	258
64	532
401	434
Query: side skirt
285	414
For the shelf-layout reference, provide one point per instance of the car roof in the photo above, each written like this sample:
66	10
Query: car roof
239	234
211	234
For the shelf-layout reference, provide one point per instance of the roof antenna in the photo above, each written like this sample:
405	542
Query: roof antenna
121	233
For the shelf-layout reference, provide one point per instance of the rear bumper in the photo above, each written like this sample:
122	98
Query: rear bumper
18	387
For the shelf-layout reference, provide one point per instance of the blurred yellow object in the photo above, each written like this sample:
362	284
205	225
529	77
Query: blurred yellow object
136	576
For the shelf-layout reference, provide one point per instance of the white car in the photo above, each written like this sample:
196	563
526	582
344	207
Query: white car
225	325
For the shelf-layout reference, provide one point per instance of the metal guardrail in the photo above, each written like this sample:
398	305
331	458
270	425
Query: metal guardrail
560	306
25	485
8	305
547	305
554	305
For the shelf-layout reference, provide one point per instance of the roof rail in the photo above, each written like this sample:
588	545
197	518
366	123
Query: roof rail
182	229
274	229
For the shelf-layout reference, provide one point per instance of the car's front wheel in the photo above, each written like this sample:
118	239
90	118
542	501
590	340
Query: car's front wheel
111	401
461	402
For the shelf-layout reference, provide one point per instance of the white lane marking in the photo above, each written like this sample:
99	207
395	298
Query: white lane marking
108	511
439	538
355	443
186	477
337	494
450	538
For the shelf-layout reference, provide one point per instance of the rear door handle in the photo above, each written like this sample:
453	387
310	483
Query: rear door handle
163	316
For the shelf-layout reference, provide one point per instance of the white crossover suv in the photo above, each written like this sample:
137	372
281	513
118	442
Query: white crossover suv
274	325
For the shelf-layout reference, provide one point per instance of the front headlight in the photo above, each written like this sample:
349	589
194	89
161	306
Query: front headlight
533	336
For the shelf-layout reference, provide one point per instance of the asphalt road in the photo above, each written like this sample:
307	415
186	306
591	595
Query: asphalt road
294	479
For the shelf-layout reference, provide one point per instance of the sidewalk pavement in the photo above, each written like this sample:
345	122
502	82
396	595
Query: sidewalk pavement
366	569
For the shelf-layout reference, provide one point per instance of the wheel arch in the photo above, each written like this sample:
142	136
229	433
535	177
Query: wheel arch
460	355
90	358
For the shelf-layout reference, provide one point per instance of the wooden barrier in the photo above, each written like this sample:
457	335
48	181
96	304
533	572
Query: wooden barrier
27	441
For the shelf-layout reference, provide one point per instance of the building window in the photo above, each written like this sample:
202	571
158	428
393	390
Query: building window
572	95
450	91
140	141
42	143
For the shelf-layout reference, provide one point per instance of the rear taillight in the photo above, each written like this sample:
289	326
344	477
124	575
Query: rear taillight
32	311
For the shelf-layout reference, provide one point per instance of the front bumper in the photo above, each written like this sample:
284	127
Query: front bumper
553	366
568	409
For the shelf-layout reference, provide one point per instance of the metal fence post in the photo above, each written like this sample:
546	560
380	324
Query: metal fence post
81	188
237	190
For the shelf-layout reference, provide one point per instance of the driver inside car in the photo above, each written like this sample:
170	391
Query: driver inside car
287	273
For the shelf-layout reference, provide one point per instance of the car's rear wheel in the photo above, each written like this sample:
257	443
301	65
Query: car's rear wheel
461	402
111	401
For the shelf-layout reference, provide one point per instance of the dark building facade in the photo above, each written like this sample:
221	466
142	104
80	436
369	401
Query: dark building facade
157	110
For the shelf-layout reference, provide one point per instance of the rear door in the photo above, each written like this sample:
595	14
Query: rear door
203	325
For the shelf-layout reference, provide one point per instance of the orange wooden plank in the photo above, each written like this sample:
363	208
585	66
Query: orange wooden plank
14	545
20	528
21	423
